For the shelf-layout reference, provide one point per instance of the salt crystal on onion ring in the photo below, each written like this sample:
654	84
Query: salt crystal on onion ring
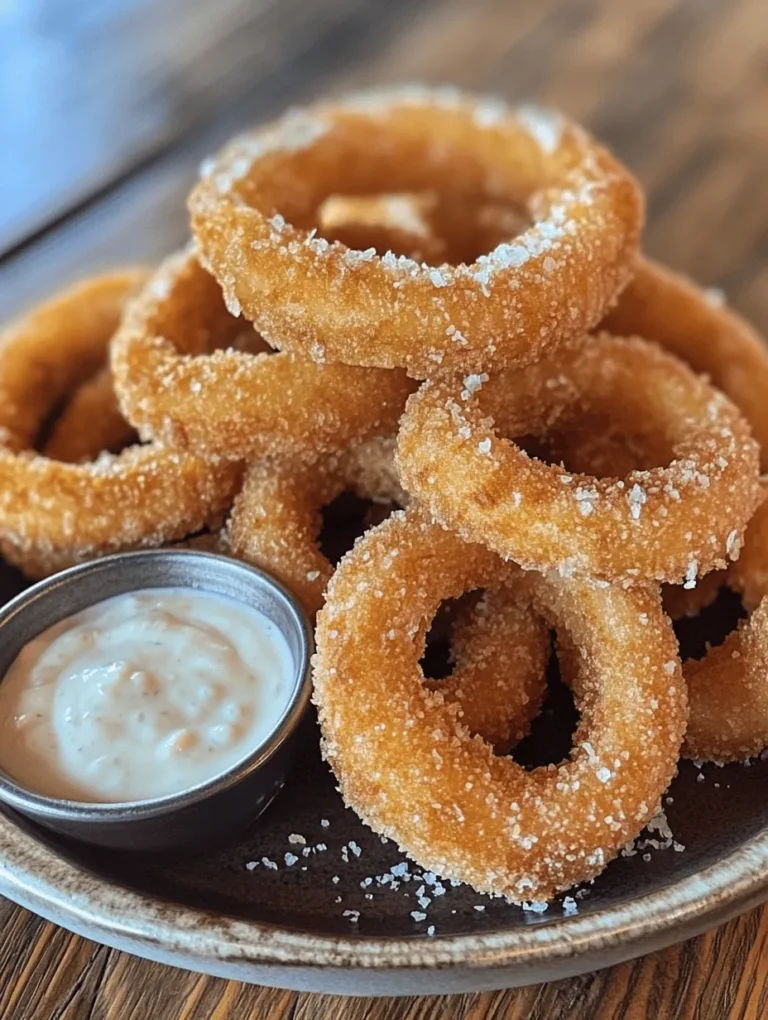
412	771
663	306
254	218
231	403
669	523
54	514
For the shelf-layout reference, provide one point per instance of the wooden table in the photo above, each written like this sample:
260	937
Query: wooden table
105	110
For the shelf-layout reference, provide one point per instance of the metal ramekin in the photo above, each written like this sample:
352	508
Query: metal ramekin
232	799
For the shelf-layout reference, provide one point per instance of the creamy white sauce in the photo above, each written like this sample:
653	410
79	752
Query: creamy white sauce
142	695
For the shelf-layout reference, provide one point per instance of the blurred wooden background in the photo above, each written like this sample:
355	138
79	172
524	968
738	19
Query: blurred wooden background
106	108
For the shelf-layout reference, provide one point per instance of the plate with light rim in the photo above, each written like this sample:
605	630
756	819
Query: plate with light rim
311	899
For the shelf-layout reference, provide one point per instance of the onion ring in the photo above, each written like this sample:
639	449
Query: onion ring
412	771
663	306
670	524
275	522
230	403
54	514
254	219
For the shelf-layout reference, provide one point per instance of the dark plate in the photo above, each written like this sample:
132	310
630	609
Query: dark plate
284	922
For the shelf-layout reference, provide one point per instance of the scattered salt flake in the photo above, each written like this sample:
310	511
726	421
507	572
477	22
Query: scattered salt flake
479	907
670	667
269	864
296	838
603	774
290	859
570	906
431	930
418	915
312	575
252	865
484	446
354	848
324	822
534	906
352	915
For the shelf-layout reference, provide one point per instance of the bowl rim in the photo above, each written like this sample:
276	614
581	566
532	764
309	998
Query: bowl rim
42	807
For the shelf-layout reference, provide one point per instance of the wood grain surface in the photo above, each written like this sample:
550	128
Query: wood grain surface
679	88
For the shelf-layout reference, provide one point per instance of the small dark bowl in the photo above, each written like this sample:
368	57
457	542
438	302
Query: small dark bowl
228	802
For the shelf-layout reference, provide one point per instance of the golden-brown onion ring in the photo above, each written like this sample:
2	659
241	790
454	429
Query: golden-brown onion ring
663	306
54	514
413	772
254	218
670	523
231	403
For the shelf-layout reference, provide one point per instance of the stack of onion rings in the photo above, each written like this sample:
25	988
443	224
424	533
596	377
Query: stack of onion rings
670	523
427	234
253	216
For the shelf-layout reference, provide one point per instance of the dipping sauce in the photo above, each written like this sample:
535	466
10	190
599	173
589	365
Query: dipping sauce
143	695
